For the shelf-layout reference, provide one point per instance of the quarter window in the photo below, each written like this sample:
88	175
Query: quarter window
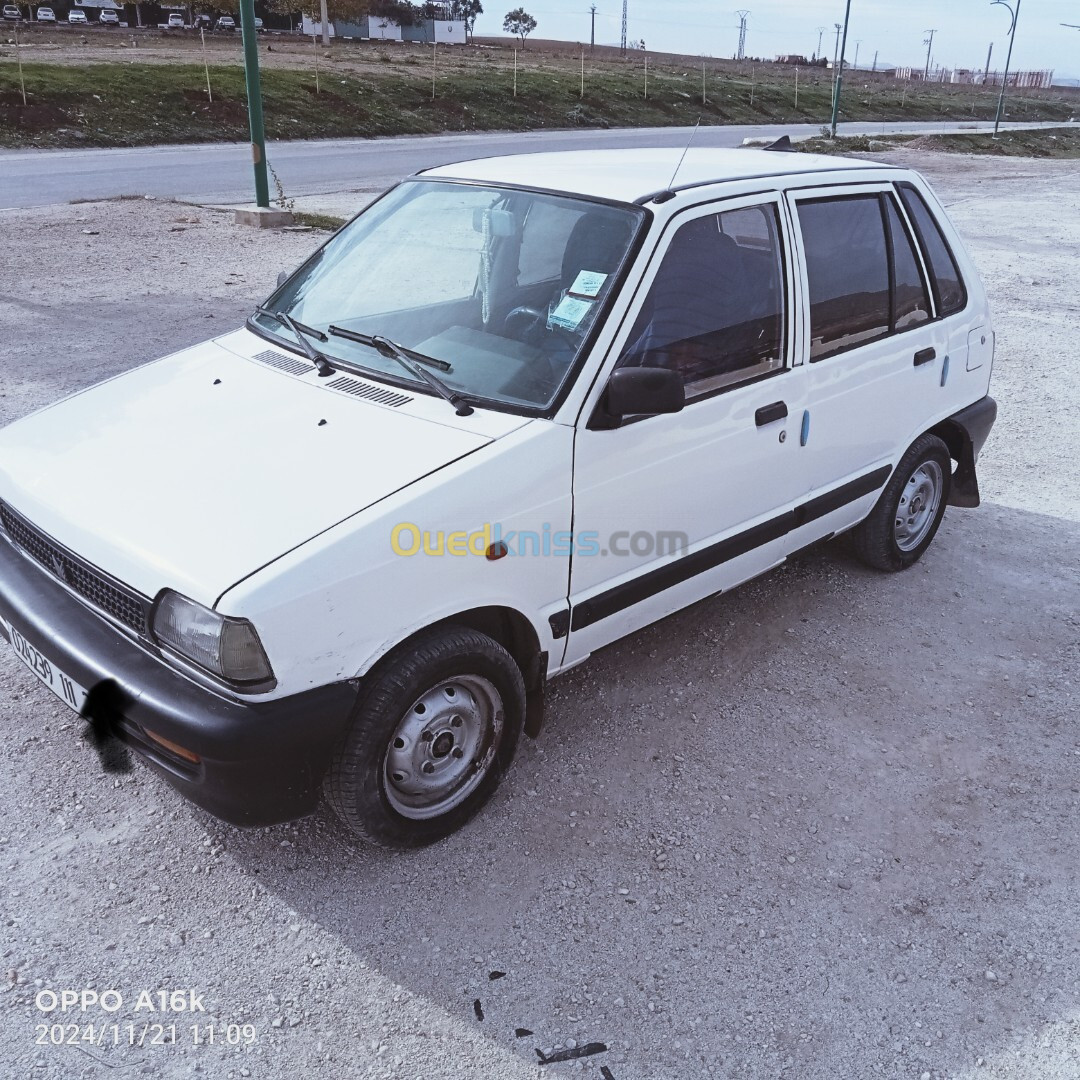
847	266
948	285
716	309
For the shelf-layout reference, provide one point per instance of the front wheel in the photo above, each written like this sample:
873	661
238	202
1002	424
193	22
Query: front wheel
430	740
903	523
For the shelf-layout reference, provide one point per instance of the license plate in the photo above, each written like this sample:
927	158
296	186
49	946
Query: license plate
63	686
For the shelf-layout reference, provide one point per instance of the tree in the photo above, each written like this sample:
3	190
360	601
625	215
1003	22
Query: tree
519	22
467	10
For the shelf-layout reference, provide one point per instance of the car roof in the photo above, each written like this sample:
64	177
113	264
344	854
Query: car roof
628	175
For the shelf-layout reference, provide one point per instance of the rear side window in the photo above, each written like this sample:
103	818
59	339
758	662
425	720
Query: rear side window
911	304
949	291
847	263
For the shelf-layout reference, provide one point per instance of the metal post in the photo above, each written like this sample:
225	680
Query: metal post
1005	78
592	36
583	73
840	72
18	57
254	96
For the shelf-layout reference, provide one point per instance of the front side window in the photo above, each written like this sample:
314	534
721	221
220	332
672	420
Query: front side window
716	309
847	266
498	287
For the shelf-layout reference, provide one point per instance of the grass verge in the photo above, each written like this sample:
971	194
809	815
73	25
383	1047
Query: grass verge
140	104
1058	143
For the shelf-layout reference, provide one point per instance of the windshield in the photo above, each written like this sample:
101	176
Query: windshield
501	286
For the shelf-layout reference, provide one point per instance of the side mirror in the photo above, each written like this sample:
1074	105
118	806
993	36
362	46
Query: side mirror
649	390
282	278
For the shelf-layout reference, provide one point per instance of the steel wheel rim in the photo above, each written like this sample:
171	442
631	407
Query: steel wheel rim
918	505
443	747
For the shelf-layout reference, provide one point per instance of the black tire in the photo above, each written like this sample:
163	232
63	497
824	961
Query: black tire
409	702
887	539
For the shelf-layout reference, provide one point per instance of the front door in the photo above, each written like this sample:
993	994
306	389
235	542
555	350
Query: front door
671	508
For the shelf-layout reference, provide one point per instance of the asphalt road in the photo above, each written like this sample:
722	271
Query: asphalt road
221	172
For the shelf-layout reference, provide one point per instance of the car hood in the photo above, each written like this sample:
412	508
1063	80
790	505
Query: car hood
194	471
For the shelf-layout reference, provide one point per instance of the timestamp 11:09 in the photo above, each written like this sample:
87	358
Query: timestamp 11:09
146	1034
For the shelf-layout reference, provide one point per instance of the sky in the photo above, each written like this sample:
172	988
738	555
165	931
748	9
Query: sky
896	29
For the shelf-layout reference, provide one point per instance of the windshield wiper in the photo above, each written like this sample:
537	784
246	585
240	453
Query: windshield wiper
377	341
301	333
410	361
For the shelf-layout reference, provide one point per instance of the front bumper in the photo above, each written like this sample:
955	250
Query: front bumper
261	762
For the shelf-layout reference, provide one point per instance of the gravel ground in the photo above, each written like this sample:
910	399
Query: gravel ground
821	827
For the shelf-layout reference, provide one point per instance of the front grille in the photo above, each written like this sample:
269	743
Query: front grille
126	606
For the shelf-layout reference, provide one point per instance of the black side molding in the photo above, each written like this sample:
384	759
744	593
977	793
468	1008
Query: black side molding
675	573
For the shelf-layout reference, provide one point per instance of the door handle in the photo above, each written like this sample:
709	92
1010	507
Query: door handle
924	356
769	414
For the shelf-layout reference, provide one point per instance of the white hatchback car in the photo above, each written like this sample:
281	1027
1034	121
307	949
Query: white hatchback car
515	410
77	18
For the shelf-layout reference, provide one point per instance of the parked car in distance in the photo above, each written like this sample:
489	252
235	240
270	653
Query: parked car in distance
12	13
46	14
175	21
258	25
515	410
77	18
226	22
202	22
108	18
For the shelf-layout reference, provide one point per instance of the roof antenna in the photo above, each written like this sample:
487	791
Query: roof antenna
669	191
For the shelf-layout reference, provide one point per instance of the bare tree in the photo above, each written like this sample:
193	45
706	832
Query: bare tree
519	22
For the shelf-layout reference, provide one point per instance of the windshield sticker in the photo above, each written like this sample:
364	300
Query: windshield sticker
588	283
570	313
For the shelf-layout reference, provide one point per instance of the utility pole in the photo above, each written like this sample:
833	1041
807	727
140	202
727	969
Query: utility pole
624	27
592	37
855	65
929	43
840	73
986	70
836	59
742	33
1008	57
820	32
325	21
875	60
254	96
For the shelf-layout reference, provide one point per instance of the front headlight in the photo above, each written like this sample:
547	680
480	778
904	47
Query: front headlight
224	646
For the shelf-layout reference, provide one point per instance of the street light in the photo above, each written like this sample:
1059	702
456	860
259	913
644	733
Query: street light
840	71
1005	78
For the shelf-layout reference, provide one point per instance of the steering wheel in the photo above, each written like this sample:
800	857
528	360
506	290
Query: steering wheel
522	321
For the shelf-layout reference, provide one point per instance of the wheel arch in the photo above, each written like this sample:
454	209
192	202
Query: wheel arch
510	629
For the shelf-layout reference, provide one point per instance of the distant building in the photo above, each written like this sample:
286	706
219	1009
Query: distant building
376	28
793	58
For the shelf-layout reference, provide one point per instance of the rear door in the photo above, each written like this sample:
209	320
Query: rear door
873	349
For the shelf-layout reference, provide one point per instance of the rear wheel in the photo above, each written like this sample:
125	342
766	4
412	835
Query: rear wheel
903	523
430	740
